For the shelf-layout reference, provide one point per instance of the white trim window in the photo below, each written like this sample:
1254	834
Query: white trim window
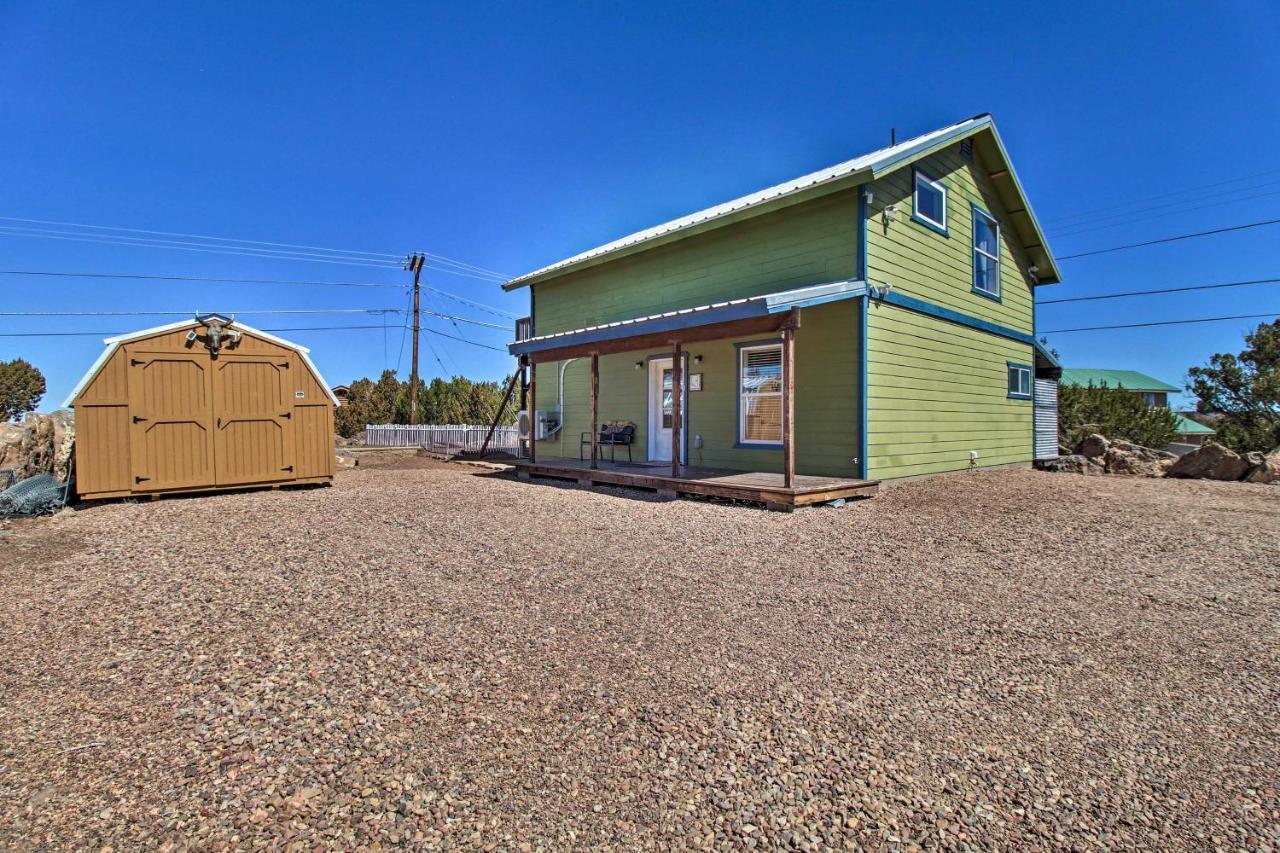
929	201
760	394
986	253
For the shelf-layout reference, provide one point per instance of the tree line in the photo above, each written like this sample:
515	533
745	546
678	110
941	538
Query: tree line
454	401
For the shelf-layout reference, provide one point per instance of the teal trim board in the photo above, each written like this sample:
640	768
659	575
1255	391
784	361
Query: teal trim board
922	307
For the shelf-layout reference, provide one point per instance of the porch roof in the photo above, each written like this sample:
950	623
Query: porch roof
755	308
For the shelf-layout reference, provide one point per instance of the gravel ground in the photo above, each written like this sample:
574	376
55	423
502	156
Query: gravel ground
428	657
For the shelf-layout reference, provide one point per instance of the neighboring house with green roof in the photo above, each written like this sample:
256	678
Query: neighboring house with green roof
1153	392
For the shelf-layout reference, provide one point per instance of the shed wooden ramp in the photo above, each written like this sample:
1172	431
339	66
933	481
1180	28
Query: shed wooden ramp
761	487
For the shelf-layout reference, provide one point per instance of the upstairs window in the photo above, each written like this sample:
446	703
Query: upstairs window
929	202
986	253
760	390
1019	381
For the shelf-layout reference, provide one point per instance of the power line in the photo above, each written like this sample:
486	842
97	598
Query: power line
113	334
457	319
244	251
1159	291
1161	323
468	341
143	277
1171	239
290	282
257	311
239	240
194	236
497	276
165	243
404	331
1185	190
472	303
1130	217
118	242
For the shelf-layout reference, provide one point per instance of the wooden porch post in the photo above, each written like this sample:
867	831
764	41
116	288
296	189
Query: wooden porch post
788	407
533	410
595	409
677	382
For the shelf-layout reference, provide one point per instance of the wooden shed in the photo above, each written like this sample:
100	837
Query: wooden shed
201	405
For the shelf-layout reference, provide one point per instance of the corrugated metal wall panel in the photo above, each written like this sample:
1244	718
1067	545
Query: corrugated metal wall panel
1046	418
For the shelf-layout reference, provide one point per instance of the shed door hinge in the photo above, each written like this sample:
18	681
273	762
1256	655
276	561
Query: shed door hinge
137	419
141	479
288	468
286	415
134	362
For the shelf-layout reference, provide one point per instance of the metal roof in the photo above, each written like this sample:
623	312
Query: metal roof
114	343
701	315
1186	426
866	166
1130	380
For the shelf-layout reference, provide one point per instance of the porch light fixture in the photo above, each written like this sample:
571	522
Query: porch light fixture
697	359
639	365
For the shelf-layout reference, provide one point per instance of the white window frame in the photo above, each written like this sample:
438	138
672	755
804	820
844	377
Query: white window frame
994	258
743	394
917	177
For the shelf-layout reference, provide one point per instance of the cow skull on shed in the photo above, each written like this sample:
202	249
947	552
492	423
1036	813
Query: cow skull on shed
216	329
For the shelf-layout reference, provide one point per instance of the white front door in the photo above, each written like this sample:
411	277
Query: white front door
660	409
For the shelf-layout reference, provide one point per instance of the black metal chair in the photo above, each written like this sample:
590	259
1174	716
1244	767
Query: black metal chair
612	436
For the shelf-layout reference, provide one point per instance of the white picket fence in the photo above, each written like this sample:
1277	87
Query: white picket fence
446	438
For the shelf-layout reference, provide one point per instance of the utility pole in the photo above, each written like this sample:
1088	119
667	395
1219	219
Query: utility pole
413	262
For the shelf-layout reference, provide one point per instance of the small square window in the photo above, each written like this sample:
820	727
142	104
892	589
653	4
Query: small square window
986	253
1019	381
929	202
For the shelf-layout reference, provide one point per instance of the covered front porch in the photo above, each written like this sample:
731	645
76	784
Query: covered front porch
762	487
745	410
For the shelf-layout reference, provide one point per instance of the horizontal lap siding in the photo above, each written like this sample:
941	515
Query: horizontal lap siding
804	244
922	263
928	406
826	399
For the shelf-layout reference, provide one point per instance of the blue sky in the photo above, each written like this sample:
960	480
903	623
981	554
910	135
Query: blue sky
512	135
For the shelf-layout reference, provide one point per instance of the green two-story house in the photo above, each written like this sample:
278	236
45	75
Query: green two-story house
871	320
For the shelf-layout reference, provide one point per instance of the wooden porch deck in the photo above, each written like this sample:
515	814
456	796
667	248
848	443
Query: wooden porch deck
750	486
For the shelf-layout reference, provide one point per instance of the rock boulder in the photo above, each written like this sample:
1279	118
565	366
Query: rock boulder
41	444
1263	469
1073	463
1211	461
1093	446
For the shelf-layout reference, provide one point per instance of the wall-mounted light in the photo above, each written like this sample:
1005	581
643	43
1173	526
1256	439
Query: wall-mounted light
639	365
697	359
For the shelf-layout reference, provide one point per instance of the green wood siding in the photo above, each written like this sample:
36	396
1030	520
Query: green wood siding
827	404
937	390
920	262
804	244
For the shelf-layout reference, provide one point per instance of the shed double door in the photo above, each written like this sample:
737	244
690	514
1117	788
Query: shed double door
198	421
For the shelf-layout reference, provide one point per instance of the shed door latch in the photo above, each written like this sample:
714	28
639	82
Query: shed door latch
288	468
141	479
286	415
134	362
137	419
